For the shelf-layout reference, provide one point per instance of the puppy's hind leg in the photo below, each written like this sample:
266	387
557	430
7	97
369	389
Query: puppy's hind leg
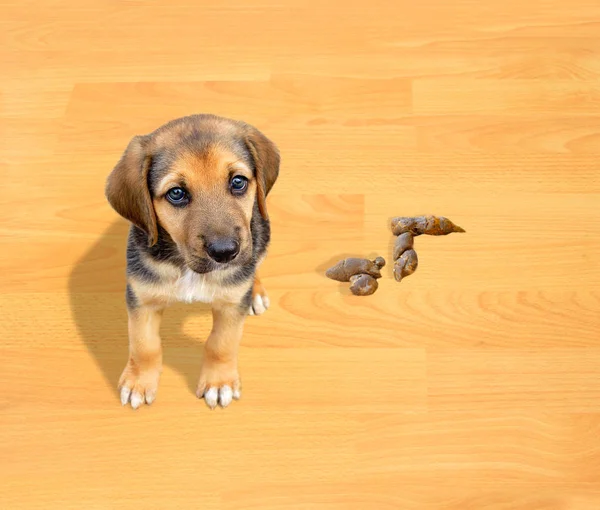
260	300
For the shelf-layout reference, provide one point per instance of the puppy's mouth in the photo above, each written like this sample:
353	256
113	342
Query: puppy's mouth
203	265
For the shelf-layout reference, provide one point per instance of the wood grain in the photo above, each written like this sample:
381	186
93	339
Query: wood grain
473	384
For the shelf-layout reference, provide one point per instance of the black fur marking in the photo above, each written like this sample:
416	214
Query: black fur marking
135	263
165	250
130	298
201	266
199	140
241	274
161	162
246	301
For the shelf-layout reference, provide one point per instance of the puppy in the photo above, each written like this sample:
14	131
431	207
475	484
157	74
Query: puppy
195	193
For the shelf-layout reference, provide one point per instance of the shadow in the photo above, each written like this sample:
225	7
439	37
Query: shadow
321	268
343	287
97	295
389	261
389	266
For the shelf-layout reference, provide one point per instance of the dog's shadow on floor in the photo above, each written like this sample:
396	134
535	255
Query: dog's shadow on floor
97	295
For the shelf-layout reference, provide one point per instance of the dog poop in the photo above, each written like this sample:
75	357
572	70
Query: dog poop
345	269
407	228
406	264
403	242
418	225
363	285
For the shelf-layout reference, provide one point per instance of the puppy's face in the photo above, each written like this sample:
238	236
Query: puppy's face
204	200
198	178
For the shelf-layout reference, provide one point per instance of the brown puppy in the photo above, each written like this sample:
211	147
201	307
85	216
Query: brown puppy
195	192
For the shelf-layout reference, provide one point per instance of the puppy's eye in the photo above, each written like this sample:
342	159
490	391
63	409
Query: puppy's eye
238	185
177	196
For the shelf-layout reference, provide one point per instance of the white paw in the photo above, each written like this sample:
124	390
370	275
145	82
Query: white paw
135	398
259	305
221	396
125	392
211	397
138	389
225	396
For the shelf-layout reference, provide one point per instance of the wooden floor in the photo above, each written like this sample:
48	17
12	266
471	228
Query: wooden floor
473	384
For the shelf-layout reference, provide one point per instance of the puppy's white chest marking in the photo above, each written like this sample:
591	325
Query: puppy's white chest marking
192	287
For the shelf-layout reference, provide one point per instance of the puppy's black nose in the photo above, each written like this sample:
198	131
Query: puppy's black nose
223	250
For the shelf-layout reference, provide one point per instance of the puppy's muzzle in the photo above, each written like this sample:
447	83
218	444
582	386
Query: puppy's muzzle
223	250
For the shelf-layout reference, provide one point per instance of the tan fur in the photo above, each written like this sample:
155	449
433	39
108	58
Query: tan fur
257	287
126	188
268	166
219	366
142	372
206	177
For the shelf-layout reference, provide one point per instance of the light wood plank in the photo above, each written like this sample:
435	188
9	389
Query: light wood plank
473	384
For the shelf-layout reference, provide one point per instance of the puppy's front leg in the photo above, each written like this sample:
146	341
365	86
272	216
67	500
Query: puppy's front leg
139	380
219	380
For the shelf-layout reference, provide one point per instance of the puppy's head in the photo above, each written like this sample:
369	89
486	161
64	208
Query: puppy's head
198	179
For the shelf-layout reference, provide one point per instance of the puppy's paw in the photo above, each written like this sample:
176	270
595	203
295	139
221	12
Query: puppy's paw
138	387
260	301
260	304
219	384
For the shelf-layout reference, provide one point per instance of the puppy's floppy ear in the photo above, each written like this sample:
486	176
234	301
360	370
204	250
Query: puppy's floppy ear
266	161
127	188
